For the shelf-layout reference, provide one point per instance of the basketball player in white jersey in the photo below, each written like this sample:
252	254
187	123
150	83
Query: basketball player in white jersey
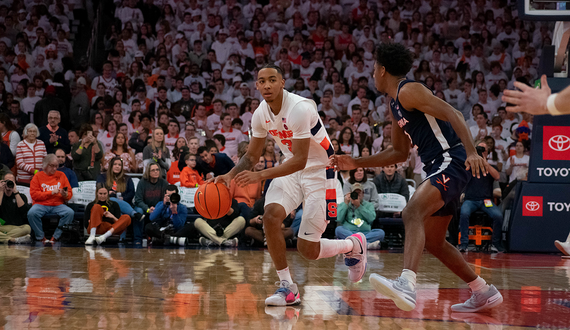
294	123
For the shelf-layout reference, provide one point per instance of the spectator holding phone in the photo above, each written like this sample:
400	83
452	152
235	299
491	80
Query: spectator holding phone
87	155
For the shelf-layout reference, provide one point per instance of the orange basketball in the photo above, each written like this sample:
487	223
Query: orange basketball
212	200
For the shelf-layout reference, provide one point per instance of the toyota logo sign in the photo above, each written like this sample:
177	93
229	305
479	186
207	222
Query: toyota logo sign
532	206
559	143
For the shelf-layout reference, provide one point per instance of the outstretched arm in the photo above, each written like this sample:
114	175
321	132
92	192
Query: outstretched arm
535	101
397	154
246	162
300	149
417	96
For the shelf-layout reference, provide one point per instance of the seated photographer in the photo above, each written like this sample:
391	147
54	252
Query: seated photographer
254	229
479	196
104	217
168	220
150	191
13	213
50	190
358	176
219	231
391	182
356	215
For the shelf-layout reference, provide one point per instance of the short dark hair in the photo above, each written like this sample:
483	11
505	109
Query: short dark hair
172	187
273	66
202	149
396	58
484	114
220	138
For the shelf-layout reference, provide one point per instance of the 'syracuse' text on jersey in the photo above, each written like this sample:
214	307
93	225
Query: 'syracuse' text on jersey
297	119
432	136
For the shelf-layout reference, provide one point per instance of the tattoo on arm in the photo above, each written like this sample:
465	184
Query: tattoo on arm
244	164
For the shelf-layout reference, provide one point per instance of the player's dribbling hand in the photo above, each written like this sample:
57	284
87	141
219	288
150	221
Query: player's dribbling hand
223	179
476	164
342	162
247	177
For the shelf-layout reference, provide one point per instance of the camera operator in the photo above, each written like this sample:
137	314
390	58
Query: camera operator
479	196
13	213
219	231
356	215
168	220
255	231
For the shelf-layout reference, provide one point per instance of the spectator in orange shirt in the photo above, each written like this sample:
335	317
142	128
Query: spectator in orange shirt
246	196
189	177
49	190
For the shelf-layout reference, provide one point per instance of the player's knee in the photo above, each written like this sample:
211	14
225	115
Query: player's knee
270	220
409	216
308	250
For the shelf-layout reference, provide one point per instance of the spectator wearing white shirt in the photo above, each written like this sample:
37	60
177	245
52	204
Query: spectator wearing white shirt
340	98
357	124
214	119
244	94
222	47
496	74
233	136
174	94
30	101
360	94
517	165
452	93
187	27
479	131
501	56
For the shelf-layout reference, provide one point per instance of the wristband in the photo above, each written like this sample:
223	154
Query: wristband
80	147
36	172
550	105
148	210
56	143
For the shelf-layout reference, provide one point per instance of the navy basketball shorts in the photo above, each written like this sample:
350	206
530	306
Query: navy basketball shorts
448	174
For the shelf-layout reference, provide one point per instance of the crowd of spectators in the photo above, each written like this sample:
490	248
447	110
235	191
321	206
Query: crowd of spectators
174	99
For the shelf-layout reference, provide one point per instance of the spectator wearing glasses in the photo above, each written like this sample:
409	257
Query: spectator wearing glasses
54	136
49	190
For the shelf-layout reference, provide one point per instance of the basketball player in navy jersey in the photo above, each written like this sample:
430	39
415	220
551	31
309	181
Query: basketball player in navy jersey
446	149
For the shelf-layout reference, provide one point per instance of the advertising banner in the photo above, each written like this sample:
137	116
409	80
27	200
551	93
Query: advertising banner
541	215
550	150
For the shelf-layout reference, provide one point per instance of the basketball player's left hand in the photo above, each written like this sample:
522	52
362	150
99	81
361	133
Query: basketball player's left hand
247	177
342	162
476	164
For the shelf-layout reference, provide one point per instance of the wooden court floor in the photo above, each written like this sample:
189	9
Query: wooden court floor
161	288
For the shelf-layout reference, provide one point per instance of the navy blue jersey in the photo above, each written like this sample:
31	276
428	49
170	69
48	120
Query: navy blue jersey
432	136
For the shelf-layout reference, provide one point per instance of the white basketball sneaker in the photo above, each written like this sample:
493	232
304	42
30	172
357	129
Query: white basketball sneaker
286	295
480	301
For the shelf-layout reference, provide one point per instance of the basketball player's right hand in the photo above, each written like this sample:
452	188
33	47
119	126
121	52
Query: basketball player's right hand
342	162
476	165
223	179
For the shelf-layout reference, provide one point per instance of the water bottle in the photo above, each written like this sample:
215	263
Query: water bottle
119	196
144	242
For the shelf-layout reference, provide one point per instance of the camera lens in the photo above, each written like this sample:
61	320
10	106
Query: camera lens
175	198
354	195
10	184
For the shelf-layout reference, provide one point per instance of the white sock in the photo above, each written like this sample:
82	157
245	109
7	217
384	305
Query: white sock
108	233
409	275
478	285
333	247
93	232
284	275
568	239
